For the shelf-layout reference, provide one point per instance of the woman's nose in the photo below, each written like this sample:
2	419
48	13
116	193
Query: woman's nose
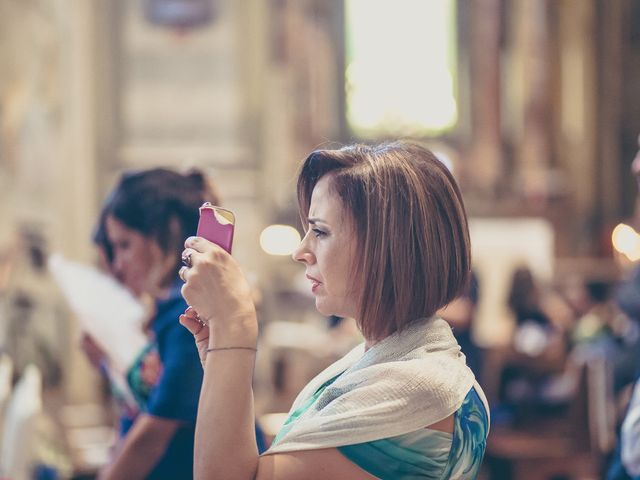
118	265
297	254
302	253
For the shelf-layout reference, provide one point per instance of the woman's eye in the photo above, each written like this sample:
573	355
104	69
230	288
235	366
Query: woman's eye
318	233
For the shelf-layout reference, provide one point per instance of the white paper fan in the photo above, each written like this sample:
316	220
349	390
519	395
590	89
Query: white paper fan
104	308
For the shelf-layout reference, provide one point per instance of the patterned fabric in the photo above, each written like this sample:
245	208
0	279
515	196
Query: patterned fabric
165	380
471	428
383	391
291	419
424	453
427	453
144	374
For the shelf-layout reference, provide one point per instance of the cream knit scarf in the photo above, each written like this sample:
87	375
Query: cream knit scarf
403	383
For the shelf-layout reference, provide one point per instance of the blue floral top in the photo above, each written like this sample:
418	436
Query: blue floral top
165	380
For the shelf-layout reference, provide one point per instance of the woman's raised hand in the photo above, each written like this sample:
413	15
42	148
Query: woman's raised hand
190	320
217	290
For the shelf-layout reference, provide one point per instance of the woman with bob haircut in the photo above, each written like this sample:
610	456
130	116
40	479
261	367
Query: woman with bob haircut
386	243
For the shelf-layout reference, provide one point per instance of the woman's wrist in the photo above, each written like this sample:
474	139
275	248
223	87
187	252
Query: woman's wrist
251	351
240	331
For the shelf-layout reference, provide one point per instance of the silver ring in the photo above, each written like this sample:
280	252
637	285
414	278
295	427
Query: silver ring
182	272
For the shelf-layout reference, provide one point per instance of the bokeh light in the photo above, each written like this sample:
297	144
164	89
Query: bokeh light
626	241
279	239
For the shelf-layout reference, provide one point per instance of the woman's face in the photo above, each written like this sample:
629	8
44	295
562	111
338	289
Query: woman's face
328	252
137	260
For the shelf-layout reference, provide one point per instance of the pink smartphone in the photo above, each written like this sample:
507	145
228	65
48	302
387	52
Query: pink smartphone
216	225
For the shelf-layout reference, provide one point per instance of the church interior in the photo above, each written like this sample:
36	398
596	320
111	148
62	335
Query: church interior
534	106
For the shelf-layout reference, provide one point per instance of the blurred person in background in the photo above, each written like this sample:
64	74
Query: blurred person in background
33	326
33	341
630	436
602	328
386	243
140	232
538	347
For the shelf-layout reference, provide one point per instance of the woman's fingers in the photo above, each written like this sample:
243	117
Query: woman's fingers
186	257
182	273
194	252
198	329
190	324
191	313
199	244
217	289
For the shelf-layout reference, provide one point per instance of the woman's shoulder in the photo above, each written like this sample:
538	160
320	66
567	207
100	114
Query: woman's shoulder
469	438
427	452
440	379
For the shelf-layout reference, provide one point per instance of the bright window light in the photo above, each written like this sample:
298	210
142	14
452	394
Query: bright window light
400	67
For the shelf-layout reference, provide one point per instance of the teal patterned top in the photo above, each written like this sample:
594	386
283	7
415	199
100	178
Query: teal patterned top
424	453
428	453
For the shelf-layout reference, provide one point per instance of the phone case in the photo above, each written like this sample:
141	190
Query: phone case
216	225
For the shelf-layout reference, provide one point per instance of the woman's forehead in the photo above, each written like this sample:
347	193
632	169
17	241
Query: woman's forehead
117	229
325	201
323	187
323	192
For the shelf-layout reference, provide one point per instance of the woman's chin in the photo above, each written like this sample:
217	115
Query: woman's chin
322	308
327	309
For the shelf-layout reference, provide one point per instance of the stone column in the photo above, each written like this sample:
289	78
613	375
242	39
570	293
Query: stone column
485	167
531	54
578	112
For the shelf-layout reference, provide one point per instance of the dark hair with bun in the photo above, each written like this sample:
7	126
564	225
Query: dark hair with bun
160	204
201	183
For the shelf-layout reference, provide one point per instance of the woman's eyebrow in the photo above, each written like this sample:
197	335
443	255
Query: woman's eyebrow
314	220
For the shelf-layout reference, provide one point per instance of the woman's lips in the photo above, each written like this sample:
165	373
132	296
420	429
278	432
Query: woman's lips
315	283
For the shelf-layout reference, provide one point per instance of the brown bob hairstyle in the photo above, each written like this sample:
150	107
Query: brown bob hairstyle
410	223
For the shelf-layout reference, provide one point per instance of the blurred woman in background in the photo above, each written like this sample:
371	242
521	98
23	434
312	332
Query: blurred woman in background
140	232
